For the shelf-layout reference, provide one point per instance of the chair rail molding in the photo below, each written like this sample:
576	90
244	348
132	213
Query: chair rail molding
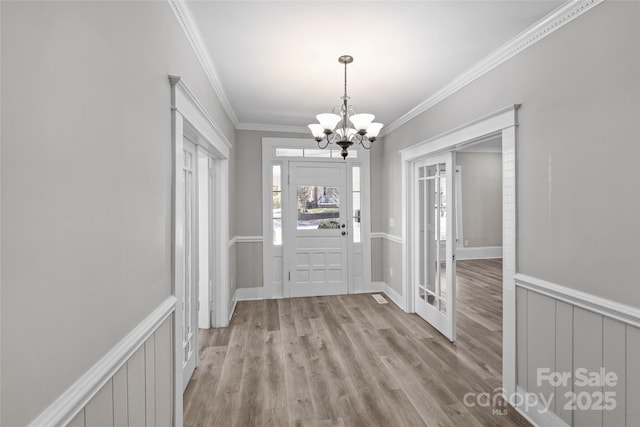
603	306
387	236
547	25
76	397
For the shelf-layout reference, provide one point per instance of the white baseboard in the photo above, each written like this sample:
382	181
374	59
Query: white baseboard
232	306
485	252
249	294
538	416
397	298
76	397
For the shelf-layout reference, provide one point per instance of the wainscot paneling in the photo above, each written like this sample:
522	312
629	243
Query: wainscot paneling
130	386
567	331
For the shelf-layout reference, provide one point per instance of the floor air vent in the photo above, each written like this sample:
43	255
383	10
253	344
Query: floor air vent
380	299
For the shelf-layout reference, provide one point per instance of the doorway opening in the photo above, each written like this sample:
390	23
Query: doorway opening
479	253
200	154
316	219
429	206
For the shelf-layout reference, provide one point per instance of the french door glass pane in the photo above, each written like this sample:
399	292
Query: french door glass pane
432	221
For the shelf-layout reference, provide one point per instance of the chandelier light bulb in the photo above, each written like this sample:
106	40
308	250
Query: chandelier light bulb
361	121
317	131
328	121
374	130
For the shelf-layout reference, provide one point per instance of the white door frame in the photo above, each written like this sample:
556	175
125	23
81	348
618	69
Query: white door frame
503	122
188	117
273	280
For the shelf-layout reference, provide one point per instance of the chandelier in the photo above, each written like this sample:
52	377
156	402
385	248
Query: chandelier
363	132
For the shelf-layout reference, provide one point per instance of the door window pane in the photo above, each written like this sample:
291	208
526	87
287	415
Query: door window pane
276	205
316	153
289	152
432	226
318	207
357	213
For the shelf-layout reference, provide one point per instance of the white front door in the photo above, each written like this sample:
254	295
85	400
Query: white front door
433	243
316	230
189	282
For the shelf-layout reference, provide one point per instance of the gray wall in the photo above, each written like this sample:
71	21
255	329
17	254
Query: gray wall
481	198
86	184
248	203
579	88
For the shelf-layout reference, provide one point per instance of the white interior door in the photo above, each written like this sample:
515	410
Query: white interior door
189	282
433	243
317	230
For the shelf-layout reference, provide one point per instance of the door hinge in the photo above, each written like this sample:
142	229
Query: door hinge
289	276
288	179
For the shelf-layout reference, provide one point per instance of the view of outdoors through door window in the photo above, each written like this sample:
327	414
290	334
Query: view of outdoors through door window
318	207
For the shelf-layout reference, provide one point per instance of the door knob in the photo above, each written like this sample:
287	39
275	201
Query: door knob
344	233
343	225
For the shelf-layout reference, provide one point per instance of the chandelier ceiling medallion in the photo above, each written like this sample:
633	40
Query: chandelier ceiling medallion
363	132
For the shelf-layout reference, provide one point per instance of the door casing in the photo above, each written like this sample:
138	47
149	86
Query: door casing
502	122
273	260
189	119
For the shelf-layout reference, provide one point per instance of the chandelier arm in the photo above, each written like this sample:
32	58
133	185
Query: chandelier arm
325	145
362	142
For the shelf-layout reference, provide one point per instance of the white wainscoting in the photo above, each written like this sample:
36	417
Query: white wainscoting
132	385
486	252
563	329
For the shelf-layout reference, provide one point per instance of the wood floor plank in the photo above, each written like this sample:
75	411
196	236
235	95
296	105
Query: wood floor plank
348	361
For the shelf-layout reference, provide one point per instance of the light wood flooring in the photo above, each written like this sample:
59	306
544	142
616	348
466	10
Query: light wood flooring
349	361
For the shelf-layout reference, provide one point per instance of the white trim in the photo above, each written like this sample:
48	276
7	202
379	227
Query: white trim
550	23
547	25
232	306
503	122
263	127
390	237
391	293
275	289
537	416
249	239
485	252
189	106
189	117
76	397
249	294
192	31
603	306
456	138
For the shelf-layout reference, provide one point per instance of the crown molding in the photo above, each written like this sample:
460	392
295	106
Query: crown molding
272	128
192	31
547	25
550	23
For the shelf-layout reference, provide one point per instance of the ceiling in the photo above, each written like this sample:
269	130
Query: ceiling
277	62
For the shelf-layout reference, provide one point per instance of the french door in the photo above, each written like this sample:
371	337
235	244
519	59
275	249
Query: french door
189	296
316	229
433	242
